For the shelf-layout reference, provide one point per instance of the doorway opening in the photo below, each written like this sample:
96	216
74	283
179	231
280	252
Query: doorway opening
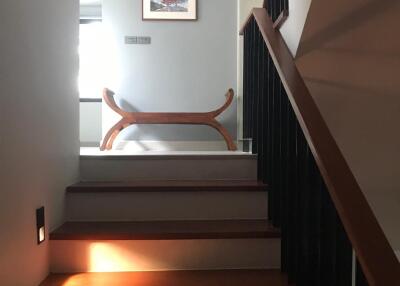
90	79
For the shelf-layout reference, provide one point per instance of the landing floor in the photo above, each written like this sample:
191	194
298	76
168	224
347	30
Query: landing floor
95	151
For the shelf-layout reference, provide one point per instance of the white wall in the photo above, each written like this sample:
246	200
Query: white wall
292	29
188	67
349	57
90	8
90	11
39	140
90	123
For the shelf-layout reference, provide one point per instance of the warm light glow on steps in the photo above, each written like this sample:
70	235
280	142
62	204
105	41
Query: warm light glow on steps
77	256
110	257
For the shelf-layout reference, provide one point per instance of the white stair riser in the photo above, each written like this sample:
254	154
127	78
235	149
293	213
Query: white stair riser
155	255
143	206
129	169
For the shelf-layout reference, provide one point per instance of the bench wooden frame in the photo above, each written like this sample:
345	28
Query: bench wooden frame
199	118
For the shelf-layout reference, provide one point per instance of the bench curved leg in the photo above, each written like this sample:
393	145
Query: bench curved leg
108	140
124	124
113	136
224	132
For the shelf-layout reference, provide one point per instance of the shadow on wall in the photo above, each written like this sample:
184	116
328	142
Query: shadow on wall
344	24
349	57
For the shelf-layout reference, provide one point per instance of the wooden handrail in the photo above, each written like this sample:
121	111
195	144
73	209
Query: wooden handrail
277	24
281	19
372	248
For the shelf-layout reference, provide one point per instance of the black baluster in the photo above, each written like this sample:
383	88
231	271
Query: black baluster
245	81
271	71
261	131
251	79
285	179
360	277
328	242
344	256
292	215
314	218
258	78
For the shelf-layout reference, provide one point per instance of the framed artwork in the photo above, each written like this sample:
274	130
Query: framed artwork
170	10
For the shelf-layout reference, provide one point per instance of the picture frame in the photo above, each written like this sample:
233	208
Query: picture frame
169	10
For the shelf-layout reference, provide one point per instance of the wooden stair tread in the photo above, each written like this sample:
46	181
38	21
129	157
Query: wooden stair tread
165	186
172	278
164	230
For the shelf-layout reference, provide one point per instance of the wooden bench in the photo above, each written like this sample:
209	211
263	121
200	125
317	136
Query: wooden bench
196	118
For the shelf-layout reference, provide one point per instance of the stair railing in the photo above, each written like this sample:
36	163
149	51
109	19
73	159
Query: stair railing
327	224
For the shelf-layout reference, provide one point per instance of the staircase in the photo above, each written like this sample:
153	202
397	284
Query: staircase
202	220
164	220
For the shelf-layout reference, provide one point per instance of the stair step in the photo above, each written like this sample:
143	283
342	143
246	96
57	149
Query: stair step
165	230
237	166
167	200
172	278
169	186
166	245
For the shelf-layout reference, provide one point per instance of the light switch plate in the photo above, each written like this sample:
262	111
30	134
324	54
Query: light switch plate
135	40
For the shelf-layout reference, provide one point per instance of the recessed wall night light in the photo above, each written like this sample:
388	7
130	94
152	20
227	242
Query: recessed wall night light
40	229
